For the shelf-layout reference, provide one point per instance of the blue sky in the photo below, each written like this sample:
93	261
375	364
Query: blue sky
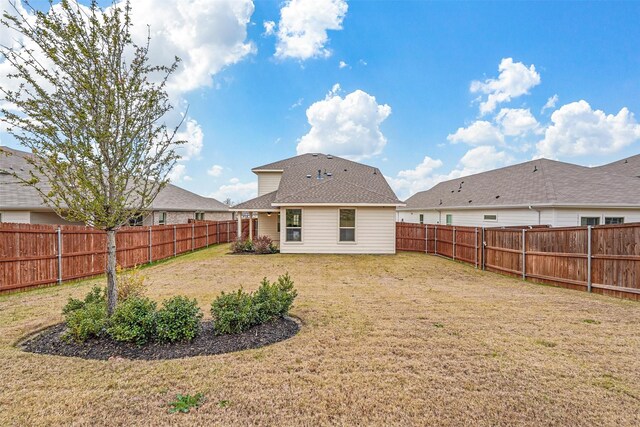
405	98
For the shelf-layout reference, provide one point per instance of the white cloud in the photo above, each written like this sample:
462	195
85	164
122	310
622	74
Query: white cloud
269	28
215	170
578	130
296	104
178	173
424	175
348	126
192	133
516	121
515	79
236	191
303	26
551	103
478	133
207	35
342	65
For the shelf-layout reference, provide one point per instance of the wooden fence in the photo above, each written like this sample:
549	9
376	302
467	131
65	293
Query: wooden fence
602	259
35	255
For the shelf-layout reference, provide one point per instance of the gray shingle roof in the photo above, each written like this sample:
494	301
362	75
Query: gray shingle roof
629	166
537	182
14	195
325	179
259	203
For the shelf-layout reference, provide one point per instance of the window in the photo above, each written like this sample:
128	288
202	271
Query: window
449	219
490	217
613	220
136	221
589	220
278	226
163	218
200	216
421	218
347	225
294	225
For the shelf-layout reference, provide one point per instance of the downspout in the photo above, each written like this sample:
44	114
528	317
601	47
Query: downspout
537	210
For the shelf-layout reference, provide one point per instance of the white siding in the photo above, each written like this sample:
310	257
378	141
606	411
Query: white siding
375	232
20	217
571	217
268	226
49	218
268	182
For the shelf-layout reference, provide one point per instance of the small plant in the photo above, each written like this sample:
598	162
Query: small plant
178	320
232	313
438	325
184	403
264	245
274	299
134	320
591	321
86	318
545	343
223	404
240	246
130	283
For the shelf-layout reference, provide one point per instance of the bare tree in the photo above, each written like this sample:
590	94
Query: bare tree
91	109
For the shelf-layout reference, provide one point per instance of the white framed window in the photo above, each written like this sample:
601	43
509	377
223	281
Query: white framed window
490	217
293	219
199	216
135	221
421	218
449	219
347	225
613	220
589	220
162	220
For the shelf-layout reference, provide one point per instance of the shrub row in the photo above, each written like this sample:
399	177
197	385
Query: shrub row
259	245
137	318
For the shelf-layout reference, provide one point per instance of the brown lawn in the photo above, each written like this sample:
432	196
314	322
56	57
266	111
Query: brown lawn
387	340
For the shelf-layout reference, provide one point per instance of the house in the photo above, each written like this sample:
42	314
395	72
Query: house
536	192
318	203
23	204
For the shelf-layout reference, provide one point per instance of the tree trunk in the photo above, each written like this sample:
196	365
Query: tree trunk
112	286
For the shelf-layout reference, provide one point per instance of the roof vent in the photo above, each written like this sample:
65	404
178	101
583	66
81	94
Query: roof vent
345	170
470	201
315	154
319	174
329	174
453	191
497	197
535	168
626	160
375	172
329	157
308	176
440	201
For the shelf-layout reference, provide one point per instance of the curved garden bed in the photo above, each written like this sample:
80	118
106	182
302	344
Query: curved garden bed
50	341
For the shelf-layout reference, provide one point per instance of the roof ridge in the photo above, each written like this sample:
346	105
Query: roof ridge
326	181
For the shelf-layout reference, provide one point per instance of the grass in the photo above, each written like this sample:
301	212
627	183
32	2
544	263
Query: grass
386	340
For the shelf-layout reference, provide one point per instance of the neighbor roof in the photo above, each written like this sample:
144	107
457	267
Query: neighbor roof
317	178
629	166
537	182
15	195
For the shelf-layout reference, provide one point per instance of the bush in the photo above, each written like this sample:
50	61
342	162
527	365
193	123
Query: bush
264	245
130	283
240	246
232	313
134	320
178	320
86	318
238	311
274	299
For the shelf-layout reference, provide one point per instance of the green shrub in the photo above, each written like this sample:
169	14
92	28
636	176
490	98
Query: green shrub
264	245
238	311
134	320
240	246
232	313
86	318
178	320
274	299
185	402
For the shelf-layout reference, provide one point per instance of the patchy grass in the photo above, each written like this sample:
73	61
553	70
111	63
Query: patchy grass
372	351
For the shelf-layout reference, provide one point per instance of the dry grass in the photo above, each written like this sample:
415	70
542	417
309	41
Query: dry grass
387	340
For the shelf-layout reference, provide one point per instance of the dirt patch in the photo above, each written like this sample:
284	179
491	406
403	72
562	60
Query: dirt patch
50	341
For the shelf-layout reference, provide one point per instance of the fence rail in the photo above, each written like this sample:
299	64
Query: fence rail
602	259
34	255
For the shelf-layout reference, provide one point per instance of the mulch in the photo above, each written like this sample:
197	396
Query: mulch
49	341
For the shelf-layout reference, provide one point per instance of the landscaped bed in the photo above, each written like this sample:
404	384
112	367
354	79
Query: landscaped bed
50	341
410	339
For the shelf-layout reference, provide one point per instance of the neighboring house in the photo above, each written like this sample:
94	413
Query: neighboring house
23	204
317	203
536	192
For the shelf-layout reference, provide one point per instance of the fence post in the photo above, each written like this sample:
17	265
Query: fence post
217	232
175	249
150	254
524	253
207	239
59	255
193	235
435	243
454	243
476	248
589	258
228	233
484	251
426	238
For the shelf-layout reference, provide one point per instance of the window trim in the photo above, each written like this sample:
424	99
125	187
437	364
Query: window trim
616	217
198	213
161	220
446	219
484	217
421	218
355	227
294	242
599	217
